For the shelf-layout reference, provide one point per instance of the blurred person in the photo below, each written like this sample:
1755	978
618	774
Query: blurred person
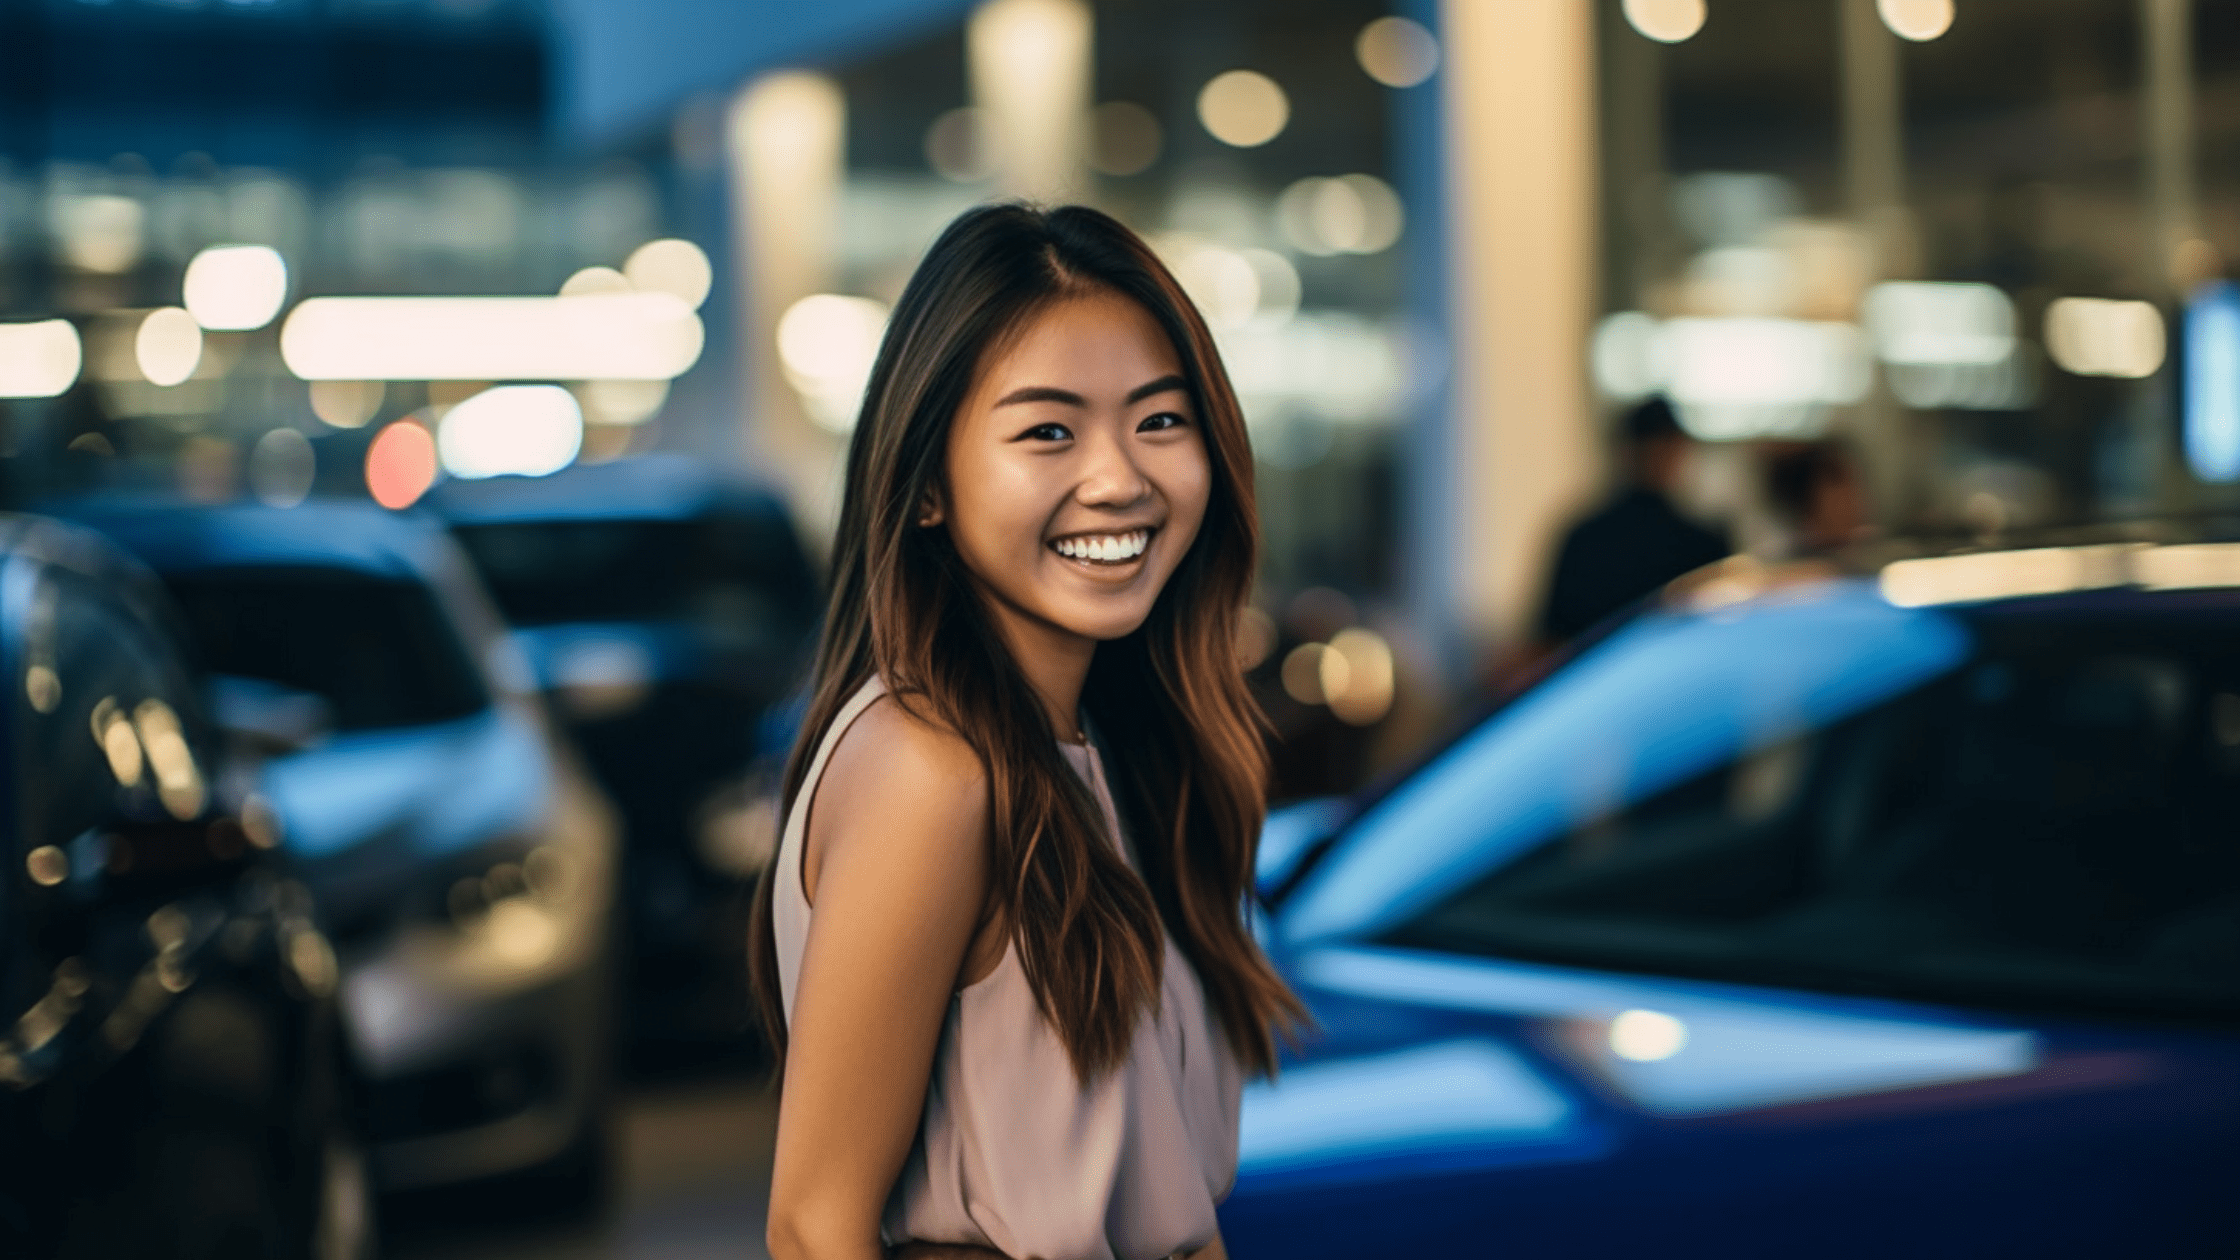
1636	542
1011	1025
1816	490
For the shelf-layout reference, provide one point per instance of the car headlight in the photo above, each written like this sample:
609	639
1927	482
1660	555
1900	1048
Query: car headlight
519	909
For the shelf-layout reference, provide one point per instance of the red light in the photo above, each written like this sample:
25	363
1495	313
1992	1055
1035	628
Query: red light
400	465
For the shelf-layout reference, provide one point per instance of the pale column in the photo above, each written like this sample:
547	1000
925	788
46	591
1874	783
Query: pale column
1030	62
1873	134
1874	184
786	135
1519	86
2166	73
1638	234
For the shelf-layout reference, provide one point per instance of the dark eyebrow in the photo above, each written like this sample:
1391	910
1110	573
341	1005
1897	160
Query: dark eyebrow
1042	393
1160	386
1050	393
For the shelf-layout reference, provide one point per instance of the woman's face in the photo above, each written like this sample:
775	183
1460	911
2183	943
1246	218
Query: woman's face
1077	474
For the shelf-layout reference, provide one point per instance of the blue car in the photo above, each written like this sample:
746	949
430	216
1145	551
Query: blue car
1833	917
462	860
171	1078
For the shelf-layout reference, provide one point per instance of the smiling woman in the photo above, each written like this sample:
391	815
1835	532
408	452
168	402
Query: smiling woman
1011	979
1073	505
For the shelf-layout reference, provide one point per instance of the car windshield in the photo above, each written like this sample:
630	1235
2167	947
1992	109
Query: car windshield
2049	819
737	568
379	651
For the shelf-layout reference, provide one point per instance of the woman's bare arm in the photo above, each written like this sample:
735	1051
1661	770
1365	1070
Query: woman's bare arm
896	867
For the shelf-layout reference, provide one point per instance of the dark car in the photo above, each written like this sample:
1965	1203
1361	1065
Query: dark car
462	860
1846	917
171	1076
666	611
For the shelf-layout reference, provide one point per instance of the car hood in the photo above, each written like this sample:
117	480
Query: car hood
1429	1062
369	813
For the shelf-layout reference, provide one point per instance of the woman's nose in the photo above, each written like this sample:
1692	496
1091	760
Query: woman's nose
1111	478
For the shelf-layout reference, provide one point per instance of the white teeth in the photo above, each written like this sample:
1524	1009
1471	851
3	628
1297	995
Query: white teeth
1105	548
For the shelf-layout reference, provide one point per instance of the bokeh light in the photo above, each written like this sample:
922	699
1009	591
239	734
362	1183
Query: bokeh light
1917	20
47	865
1363	692
621	402
347	404
827	343
1222	283
1647	1036
400	464
178	780
168	346
530	430
2210	396
2104	337
282	466
39	360
1243	108
673	266
1397	52
236	287
101	232
1308	670
592	280
1352	214
113	732
602	336
1665	21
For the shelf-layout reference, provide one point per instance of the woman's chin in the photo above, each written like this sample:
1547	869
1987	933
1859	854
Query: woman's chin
1100	624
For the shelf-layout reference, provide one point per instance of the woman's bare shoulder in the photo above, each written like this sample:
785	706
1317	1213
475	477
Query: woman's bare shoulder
903	779
904	744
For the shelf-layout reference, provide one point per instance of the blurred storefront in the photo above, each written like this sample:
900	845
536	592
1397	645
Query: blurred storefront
1980	242
176	180
1974	247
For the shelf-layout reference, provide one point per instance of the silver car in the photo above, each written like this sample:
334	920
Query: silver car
463	861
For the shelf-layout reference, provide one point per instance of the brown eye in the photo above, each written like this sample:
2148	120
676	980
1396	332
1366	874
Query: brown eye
1163	420
1047	433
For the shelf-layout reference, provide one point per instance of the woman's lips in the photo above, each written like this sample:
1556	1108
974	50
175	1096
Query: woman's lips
1108	550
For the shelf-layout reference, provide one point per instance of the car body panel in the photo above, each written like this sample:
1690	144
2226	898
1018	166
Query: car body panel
1482	1109
1661	699
437	1004
1475	1103
174	1085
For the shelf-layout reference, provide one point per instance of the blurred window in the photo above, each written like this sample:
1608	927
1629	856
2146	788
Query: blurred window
380	651
111	723
2052	824
743	571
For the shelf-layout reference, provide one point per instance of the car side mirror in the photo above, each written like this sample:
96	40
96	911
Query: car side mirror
271	718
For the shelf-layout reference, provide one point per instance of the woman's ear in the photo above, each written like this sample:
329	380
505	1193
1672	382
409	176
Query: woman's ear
929	508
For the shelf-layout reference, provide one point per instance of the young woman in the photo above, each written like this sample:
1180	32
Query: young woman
1002	946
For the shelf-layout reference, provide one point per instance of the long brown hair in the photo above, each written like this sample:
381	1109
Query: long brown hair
1171	694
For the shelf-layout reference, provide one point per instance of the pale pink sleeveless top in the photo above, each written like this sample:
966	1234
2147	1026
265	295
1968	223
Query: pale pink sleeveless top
1012	1152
